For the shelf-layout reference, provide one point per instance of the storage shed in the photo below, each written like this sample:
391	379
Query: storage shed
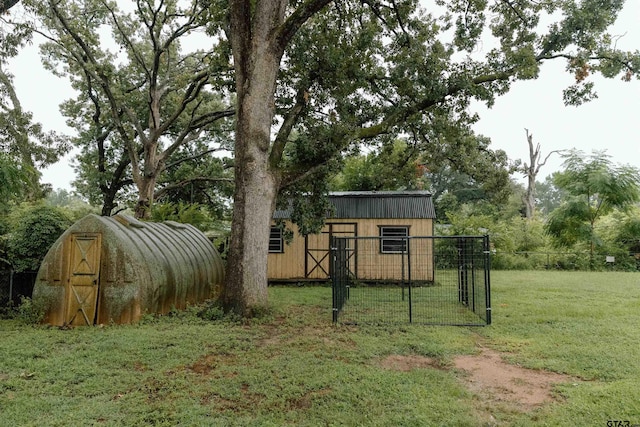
116	269
386	218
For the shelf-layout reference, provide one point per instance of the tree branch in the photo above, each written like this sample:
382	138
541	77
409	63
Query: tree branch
289	122
297	19
164	190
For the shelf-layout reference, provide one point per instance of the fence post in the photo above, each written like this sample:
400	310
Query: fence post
402	279
408	250
339	271
334	278
487	277
474	251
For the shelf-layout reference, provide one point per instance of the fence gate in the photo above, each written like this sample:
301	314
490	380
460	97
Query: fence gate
437	280
317	263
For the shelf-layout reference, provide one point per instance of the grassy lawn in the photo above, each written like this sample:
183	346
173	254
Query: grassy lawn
295	368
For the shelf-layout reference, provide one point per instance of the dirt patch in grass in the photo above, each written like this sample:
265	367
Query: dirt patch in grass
489	376
491	379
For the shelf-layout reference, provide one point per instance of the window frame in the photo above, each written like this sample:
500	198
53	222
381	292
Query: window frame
393	243
276	240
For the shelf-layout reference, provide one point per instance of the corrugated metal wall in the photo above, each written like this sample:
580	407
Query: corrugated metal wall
144	267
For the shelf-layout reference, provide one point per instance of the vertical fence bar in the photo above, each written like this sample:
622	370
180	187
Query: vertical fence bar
473	275
402	278
408	250
334	278
487	278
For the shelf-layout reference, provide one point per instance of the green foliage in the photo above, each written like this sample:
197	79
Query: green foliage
193	214
548	196
395	166
212	312
196	175
139	102
13	181
34	228
29	312
24	145
594	187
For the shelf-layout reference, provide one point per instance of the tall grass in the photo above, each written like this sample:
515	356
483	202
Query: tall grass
293	367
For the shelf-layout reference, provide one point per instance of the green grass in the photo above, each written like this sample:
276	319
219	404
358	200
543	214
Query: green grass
294	368
433	304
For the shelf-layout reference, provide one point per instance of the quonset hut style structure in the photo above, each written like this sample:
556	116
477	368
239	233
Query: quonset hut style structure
387	217
116	269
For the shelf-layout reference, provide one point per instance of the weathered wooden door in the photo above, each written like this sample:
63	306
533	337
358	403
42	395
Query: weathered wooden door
318	248
83	279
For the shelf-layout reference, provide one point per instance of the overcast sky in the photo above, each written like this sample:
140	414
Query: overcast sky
610	123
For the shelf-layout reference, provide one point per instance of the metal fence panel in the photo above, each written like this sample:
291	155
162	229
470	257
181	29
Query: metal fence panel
14	286
433	280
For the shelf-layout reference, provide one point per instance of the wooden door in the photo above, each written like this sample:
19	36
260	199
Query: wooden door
84	278
317	248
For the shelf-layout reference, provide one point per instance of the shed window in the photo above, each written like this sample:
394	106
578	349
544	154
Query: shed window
393	239
276	243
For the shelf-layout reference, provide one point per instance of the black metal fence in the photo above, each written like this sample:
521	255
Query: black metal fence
14	286
437	280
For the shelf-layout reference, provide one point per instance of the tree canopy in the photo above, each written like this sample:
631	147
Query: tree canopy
339	73
25	145
5	5
310	80
141	95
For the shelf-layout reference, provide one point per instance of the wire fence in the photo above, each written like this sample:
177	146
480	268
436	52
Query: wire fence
436	280
14	286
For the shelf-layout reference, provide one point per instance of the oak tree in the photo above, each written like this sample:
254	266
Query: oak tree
315	76
141	93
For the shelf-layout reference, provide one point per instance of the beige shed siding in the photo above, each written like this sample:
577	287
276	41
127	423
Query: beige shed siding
371	264
290	263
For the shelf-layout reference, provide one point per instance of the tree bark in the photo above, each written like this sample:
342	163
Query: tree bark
257	55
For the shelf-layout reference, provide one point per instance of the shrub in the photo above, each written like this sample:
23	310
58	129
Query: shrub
33	234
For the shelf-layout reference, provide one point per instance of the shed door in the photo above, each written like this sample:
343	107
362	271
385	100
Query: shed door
84	275
318	250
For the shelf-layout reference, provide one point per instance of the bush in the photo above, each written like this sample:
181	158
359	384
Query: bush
27	312
35	231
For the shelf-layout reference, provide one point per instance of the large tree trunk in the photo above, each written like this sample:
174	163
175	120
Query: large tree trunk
146	181
257	58
146	188
245	289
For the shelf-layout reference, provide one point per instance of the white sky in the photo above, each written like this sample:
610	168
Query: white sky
610	123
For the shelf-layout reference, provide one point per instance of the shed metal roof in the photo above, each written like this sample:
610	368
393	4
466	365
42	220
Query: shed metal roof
377	204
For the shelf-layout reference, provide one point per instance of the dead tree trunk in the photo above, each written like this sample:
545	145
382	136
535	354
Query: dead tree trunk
531	173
